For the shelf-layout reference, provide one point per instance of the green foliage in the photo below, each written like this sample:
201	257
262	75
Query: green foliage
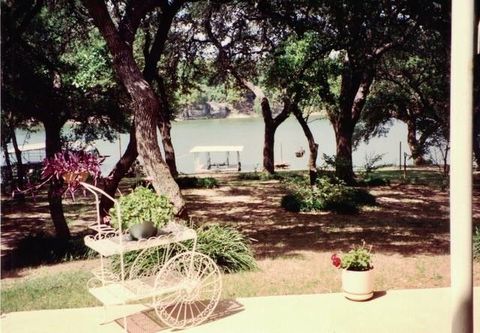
329	193
357	259
90	57
476	244
227	247
223	244
373	181
195	182
263	176
292	203
221	93
142	205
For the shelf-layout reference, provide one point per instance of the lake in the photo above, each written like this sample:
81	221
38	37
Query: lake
248	132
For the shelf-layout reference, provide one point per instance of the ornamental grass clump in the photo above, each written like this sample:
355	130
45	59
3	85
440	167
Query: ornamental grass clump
227	247
357	259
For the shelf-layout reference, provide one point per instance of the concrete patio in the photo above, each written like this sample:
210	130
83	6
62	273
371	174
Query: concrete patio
413	310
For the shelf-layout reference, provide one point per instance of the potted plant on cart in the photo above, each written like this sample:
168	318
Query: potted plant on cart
143	212
357	272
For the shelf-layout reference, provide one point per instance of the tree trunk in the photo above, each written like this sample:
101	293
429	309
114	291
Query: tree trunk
343	160
165	130
144	103
53	145
165	126
312	145
269	137
18	156
8	168
476	136
271	125
268	148
415	146
111	182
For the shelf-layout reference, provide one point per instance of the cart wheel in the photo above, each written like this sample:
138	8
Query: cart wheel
189	288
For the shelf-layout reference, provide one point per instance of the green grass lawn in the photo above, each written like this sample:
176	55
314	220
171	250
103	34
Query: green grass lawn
52	291
304	272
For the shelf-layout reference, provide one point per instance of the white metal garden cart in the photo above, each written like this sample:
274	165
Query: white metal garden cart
164	272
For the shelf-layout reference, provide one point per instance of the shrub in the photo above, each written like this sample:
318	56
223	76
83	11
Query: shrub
374	181
259	176
143	205
329	194
476	244
194	182
227	247
292	203
362	197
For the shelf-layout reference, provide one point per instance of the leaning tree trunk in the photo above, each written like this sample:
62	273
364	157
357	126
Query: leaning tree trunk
312	145
111	182
415	146
165	127
165	130
53	146
343	160
144	104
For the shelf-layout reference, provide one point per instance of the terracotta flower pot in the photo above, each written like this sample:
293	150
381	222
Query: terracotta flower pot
69	177
357	285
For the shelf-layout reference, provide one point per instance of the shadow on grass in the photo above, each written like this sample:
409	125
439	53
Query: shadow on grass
409	220
42	249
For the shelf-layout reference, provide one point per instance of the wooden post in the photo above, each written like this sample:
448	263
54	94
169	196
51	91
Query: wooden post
400	157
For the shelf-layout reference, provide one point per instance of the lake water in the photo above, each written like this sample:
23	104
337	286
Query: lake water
248	132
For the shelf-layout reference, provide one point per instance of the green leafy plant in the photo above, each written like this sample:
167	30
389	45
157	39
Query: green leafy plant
263	176
143	205
357	259
329	193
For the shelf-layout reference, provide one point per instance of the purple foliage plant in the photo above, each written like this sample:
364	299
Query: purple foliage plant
72	165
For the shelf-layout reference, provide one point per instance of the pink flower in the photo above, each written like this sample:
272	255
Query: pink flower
336	261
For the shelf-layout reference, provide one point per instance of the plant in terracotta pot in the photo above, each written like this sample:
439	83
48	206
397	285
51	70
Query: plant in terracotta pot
357	272
142	213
